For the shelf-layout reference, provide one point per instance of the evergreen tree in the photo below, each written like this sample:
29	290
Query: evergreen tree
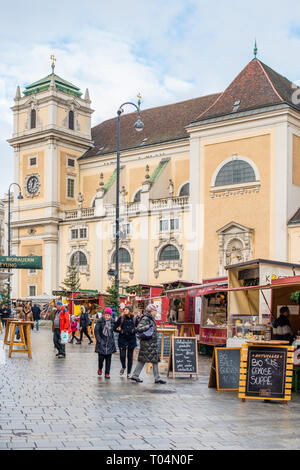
4	293
113	299
71	282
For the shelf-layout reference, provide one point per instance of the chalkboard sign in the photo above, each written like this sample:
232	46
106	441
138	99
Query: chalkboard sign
167	345
184	356
266	372
225	369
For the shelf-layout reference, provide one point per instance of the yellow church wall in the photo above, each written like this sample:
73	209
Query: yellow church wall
250	210
296	160
26	170
42	115
31	247
63	172
22	118
82	123
61	115
294	244
39	230
89	183
180	171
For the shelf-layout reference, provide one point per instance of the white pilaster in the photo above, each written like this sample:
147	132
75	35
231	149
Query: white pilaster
281	193
194	235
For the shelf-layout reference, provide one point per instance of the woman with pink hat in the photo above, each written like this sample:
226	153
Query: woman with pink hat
147	332
105	341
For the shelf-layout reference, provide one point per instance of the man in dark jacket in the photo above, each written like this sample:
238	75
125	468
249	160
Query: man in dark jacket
36	312
85	321
126	327
281	326
148	347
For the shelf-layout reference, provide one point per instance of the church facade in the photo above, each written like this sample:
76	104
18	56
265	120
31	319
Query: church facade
209	182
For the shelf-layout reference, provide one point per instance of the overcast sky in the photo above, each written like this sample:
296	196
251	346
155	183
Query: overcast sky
168	50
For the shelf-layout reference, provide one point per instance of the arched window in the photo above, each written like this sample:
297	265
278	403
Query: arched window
137	196
33	119
169	252
78	259
185	190
124	256
235	172
71	120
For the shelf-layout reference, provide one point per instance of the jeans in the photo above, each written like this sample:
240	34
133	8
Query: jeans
37	325
85	331
61	348
139	368
107	358
129	358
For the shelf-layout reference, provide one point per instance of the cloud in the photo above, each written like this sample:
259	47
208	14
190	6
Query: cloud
168	51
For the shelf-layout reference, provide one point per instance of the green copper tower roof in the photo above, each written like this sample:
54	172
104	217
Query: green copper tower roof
60	83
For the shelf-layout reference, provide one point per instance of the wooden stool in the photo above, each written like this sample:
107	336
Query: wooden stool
24	329
186	326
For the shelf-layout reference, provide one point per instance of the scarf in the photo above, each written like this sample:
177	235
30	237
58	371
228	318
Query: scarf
107	328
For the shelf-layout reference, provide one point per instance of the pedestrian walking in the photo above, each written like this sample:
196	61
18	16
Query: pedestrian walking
105	341
4	313
74	328
60	323
147	331
85	322
126	327
36	312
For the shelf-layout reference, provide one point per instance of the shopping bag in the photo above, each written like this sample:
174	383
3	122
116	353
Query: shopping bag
64	337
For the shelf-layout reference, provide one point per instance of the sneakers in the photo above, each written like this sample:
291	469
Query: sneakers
136	379
61	355
122	371
99	372
107	376
160	381
91	342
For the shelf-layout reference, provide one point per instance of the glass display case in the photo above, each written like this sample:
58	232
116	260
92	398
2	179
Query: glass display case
214	310
245	327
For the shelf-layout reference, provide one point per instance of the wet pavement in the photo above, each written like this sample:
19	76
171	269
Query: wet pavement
51	403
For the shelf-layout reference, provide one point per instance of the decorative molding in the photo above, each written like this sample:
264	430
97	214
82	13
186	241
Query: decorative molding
235	189
174	265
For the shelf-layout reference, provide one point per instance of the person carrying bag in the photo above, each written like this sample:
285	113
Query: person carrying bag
147	332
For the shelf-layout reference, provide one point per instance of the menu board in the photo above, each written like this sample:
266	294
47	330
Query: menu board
167	345
225	369
266	372
184	356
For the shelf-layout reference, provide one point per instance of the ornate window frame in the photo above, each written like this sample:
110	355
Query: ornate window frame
181	186
85	269
174	265
237	188
124	267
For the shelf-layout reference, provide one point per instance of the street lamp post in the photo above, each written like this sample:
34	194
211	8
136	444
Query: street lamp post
8	235
139	126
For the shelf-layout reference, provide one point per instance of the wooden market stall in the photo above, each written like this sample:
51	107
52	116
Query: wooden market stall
250	297
141	295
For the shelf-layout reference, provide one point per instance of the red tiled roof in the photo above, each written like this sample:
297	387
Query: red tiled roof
256	86
162	124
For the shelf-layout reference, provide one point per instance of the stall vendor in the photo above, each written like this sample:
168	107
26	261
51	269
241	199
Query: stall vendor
281	326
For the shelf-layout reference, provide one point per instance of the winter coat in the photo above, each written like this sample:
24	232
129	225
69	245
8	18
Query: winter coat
127	338
26	314
74	326
64	320
36	311
104	344
148	347
85	320
282	329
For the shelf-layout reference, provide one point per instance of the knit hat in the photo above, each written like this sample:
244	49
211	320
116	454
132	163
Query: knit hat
59	302
108	311
151	308
129	308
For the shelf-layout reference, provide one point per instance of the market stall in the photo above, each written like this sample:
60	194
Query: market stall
141	295
250	297
205	306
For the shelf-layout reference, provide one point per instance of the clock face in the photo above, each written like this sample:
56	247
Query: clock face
33	185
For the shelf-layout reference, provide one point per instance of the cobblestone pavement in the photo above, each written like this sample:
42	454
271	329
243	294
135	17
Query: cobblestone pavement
51	403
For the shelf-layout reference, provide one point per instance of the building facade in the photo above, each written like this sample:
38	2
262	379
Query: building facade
209	182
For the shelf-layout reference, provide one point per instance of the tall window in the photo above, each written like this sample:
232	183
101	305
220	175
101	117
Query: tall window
168	253
185	190
71	188
32	291
124	256
71	120
33	119
234	172
78	259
